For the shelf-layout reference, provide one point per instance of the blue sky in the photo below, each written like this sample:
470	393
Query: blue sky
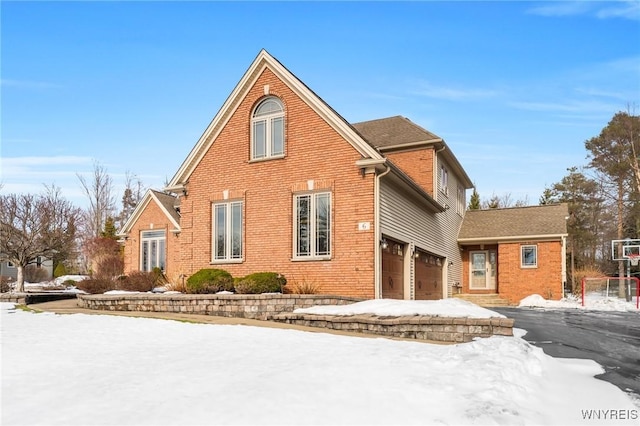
514	88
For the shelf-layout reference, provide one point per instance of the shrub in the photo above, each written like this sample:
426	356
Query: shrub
138	281
580	273
60	270
5	287
35	274
96	285
209	281
69	283
306	287
158	276
261	282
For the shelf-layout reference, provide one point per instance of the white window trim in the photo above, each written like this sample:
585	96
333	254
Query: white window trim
312	231
157	239
268	120
229	258
11	265
522	247
444	179
461	201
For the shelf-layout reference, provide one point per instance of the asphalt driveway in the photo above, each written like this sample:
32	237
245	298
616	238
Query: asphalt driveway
612	339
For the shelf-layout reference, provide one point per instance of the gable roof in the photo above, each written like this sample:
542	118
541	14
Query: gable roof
168	204
398	133
514	223
265	61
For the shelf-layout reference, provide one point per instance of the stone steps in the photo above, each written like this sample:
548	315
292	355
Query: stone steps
484	300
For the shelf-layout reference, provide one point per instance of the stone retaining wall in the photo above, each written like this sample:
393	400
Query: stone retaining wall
252	306
417	327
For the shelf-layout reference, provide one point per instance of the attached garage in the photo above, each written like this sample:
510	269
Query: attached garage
428	276
393	270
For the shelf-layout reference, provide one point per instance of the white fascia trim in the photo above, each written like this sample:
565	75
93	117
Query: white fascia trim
410	145
511	239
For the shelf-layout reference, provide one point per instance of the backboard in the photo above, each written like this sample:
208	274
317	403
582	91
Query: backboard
623	249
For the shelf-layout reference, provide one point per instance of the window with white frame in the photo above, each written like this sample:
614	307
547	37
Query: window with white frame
267	130
444	179
312	227
11	264
528	256
461	201
227	231
153	250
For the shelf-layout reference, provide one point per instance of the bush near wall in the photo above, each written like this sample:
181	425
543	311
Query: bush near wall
209	281
138	281
96	285
261	282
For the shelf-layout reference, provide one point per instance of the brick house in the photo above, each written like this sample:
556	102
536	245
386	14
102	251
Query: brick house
515	252
280	182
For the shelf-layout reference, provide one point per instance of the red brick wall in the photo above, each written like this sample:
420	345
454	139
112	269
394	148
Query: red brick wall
314	151
417	164
516	283
152	214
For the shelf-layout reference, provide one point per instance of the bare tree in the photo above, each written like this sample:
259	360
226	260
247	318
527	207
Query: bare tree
99	191
133	193
35	225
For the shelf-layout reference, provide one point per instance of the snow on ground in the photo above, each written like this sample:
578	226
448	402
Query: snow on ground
594	302
443	308
99	369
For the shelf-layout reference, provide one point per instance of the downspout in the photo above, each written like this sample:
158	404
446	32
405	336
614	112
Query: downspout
377	254
564	265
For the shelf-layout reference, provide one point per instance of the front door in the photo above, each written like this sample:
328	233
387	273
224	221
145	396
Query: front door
482	270
393	271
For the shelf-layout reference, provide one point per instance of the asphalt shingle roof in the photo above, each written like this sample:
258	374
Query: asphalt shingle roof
545	220
392	131
169	202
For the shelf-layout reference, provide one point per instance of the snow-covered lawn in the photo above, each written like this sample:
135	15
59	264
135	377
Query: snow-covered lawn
594	302
98	369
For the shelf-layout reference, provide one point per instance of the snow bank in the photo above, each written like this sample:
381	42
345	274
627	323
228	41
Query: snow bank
388	307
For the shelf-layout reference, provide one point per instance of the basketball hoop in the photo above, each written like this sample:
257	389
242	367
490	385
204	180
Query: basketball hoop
634	259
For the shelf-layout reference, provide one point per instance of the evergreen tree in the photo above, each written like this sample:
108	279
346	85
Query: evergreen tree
474	201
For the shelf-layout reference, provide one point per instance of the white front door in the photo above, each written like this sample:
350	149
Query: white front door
482	270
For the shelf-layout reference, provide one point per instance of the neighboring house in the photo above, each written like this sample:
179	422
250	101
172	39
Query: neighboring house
9	271
279	181
515	252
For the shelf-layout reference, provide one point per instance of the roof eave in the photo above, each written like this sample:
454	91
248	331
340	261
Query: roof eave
511	238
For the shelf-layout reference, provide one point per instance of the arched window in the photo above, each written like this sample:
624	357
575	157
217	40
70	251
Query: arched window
267	130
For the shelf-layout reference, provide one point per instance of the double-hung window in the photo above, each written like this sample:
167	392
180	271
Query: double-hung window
227	231
152	250
312	226
267	130
528	256
444	180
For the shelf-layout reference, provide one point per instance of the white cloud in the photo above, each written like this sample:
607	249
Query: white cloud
626	9
602	10
561	8
427	89
28	84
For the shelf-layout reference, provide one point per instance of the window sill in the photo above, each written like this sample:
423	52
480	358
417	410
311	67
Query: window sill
311	259
528	266
226	261
261	160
